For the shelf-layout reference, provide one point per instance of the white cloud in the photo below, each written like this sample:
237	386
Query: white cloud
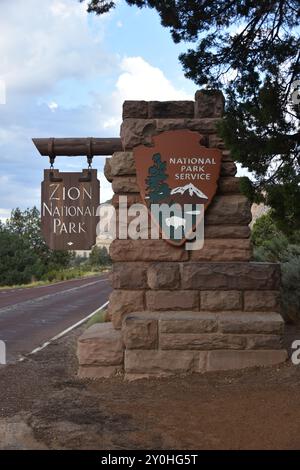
140	80
4	214
65	10
53	106
106	192
112	123
43	42
2	91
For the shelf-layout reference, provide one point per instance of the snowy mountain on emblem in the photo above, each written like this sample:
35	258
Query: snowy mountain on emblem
193	191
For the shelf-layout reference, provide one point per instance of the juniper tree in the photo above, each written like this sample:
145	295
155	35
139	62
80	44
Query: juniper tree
250	50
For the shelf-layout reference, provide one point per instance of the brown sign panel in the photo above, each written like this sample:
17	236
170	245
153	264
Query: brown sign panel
69	209
177	169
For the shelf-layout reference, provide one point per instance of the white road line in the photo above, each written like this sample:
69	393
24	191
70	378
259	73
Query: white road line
63	333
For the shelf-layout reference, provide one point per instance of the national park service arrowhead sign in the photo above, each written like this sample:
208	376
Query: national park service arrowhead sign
69	209
177	169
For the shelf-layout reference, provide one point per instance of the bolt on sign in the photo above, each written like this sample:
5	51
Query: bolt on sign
69	209
177	170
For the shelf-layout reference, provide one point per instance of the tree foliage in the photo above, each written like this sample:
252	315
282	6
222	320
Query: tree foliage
27	224
264	229
99	257
250	50
19	264
272	245
24	256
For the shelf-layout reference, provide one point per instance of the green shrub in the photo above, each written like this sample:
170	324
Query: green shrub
19	263
263	230
290	270
271	245
99	257
50	276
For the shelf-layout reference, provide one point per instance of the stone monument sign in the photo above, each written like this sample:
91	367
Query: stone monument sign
175	311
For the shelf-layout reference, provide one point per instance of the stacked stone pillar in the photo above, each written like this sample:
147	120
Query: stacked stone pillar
174	311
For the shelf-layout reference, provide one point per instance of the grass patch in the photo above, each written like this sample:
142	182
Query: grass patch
99	317
58	276
25	286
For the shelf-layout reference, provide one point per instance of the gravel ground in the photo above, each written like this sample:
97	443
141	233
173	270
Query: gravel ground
45	406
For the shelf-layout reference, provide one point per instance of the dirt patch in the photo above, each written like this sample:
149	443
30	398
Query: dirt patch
44	405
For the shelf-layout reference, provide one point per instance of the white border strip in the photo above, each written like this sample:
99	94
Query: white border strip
63	333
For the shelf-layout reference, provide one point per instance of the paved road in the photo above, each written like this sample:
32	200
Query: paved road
31	316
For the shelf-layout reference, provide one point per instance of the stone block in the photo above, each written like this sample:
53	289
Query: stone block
100	345
200	341
263	342
203	126
229	185
164	276
122	163
129	275
139	332
140	131
122	302
132	198
221	300
146	250
172	300
107	170
227	360
214	141
188	322
125	184
159	363
137	131
226	156
231	276
223	250
170	109
228	169
229	209
251	323
135	109
227	231
255	301
209	104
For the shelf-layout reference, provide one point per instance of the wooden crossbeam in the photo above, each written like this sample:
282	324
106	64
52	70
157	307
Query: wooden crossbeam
76	147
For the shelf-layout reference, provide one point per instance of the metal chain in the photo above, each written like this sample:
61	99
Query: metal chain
90	154
51	152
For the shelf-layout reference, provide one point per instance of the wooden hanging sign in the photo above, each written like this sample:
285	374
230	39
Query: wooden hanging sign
69	209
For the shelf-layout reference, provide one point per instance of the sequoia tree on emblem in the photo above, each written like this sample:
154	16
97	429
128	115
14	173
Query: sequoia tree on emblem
177	171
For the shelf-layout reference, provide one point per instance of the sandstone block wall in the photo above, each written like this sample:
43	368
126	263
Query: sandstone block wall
181	311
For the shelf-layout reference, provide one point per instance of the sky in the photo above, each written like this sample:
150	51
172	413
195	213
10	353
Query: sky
66	73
